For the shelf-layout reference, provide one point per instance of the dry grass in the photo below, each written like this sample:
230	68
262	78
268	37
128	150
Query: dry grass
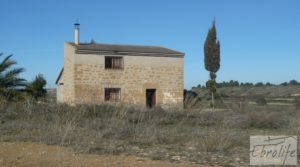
105	129
297	102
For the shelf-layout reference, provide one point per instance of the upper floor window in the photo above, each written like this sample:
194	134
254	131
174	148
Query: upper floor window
114	62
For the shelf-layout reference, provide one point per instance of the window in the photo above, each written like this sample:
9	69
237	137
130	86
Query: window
113	62
112	94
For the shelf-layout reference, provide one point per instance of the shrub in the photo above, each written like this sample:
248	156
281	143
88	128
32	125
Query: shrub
261	101
218	140
267	120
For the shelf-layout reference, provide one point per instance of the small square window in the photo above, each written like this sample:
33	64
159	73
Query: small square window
112	94
114	62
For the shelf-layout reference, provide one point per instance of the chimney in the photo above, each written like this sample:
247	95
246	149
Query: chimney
76	27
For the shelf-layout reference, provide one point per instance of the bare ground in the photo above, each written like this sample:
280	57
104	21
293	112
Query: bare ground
28	154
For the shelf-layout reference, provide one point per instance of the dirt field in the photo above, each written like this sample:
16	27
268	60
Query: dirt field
28	154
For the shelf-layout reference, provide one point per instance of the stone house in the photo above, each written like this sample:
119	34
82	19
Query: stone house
142	75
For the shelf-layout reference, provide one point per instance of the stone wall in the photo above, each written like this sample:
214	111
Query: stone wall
68	74
165	74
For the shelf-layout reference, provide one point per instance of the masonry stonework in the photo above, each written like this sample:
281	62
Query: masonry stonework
85	78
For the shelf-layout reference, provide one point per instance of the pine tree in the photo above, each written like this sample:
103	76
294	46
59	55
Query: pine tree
212	59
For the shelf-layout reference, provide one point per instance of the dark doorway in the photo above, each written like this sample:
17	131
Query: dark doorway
150	98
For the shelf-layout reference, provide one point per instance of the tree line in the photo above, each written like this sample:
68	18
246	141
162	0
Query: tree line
233	83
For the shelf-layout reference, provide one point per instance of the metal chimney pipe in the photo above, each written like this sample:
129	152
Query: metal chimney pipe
76	27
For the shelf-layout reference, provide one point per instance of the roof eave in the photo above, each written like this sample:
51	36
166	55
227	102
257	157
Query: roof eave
111	52
59	76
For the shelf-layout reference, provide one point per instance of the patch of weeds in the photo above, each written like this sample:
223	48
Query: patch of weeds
268	120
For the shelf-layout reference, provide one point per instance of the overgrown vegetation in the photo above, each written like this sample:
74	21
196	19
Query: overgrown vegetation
160	134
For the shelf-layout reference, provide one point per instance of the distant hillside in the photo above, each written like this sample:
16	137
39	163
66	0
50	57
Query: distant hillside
245	91
273	95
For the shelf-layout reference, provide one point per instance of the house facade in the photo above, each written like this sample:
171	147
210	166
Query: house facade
141	75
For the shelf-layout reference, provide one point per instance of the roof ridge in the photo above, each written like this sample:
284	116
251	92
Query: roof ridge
123	45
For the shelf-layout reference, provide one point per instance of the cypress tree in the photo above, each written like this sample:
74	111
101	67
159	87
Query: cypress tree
212	59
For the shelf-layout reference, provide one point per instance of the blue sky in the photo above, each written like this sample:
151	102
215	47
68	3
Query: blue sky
259	38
